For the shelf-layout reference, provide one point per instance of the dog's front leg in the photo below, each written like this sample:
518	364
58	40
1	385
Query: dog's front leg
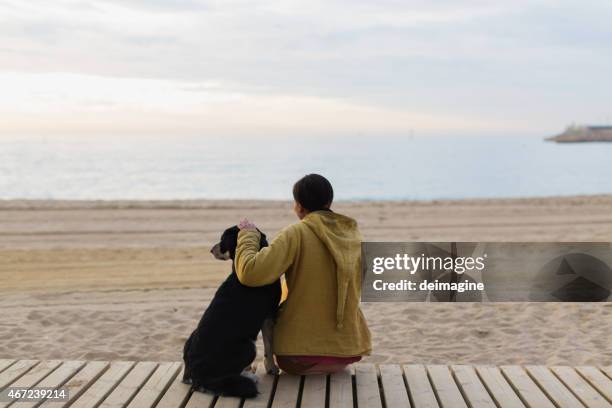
266	332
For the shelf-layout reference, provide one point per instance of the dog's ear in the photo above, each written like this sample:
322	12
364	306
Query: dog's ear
263	242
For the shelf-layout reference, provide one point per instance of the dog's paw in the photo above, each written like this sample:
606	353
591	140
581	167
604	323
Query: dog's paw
203	390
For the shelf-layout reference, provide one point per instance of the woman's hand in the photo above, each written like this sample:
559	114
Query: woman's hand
246	224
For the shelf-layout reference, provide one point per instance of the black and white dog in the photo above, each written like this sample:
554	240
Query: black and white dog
223	345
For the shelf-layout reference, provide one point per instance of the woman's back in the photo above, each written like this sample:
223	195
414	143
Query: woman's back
320	257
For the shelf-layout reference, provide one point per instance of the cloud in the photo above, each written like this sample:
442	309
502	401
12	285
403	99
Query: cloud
75	103
488	62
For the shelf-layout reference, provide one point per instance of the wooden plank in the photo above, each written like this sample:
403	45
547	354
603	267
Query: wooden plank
228	402
4	363
35	374
152	391
54	380
32	377
419	387
608	371
287	390
265	385
123	393
444	387
598	380
176	395
472	389
201	400
15	371
104	385
366	381
147	385
524	386
498	387
341	388
552	387
579	387
394	387
80	382
313	394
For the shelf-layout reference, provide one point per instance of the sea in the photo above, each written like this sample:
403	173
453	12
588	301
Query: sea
359	167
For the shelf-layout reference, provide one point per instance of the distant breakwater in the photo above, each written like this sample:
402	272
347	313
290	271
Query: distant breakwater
578	134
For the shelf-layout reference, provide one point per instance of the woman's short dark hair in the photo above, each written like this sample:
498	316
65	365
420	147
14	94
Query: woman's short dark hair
313	192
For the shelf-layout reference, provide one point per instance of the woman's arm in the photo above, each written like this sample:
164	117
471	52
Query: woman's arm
259	268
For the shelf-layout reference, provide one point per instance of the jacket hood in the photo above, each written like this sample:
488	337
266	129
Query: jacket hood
341	236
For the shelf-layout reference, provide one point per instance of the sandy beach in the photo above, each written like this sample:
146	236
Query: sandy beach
129	280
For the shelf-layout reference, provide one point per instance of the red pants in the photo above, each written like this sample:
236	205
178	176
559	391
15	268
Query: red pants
302	365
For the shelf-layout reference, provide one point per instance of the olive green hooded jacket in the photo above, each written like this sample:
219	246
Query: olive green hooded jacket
321	259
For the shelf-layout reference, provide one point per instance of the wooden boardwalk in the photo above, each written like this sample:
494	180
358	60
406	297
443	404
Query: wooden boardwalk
149	384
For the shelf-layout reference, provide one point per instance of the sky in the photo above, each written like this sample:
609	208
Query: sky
299	68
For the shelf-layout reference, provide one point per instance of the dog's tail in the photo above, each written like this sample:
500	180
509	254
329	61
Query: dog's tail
235	386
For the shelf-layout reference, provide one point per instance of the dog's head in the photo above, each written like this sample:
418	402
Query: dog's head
226	247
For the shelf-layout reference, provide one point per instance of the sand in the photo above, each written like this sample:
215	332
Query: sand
129	280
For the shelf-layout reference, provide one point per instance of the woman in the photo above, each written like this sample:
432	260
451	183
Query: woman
320	327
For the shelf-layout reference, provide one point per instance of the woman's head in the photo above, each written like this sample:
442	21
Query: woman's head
312	192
